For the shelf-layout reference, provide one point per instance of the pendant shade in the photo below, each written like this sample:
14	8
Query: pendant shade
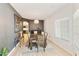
36	21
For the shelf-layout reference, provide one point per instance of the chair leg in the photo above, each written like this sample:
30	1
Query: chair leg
37	47
44	49
30	46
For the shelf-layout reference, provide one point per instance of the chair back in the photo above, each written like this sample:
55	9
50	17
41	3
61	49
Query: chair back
42	39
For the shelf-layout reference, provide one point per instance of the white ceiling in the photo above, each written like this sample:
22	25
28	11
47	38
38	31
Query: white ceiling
36	10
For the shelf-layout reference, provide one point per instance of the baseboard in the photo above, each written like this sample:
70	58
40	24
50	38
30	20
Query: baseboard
58	45
13	50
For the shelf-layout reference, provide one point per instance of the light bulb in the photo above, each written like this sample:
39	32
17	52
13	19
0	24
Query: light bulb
36	21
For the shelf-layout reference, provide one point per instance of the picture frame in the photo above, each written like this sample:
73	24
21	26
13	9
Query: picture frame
17	23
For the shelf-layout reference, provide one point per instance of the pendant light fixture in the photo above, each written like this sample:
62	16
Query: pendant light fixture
36	21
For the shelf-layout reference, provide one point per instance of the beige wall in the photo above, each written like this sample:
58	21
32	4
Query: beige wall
63	13
71	13
7	34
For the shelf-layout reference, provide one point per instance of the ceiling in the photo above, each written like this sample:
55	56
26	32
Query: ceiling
39	11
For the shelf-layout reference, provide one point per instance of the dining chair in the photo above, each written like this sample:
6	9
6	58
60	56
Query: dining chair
42	40
33	41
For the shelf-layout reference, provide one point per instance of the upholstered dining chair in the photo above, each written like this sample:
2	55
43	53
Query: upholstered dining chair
42	40
33	41
24	39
